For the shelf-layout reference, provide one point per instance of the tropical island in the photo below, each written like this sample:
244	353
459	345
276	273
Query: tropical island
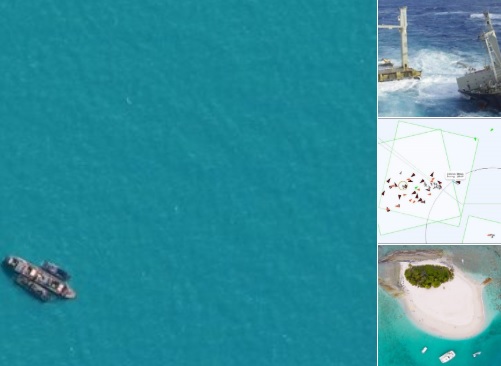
455	311
436	294
428	275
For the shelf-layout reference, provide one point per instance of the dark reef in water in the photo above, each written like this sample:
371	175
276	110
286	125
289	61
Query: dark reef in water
411	255
393	289
389	267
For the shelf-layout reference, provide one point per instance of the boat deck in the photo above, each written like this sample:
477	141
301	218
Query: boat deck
41	277
397	73
33	288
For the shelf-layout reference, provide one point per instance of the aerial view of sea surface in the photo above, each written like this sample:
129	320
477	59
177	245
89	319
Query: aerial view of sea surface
442	39
183	161
400	342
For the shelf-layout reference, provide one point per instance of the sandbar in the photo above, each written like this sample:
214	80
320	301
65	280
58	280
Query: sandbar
455	310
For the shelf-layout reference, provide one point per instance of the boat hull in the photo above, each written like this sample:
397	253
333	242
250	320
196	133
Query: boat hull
488	100
55	270
392	74
39	276
446	357
33	289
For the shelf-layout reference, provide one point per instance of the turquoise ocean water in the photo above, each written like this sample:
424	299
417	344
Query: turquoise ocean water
192	165
400	342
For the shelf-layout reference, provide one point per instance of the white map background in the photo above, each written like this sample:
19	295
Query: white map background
419	204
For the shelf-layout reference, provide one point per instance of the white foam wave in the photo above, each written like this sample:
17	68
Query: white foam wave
390	87
493	16
436	87
440	70
450	12
480	113
436	62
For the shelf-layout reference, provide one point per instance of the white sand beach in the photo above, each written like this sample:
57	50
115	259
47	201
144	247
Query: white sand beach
455	310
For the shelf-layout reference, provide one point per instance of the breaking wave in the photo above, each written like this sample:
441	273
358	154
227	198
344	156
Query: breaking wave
479	15
436	88
440	70
450	12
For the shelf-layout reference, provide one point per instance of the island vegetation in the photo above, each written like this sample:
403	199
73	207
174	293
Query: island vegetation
428	275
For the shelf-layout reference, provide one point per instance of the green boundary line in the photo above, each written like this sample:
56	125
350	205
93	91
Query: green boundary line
469	180
388	167
414	124
479	218
460	207
406	137
443	222
418	217
449	165
389	162
484	219
459	134
428	223
464	233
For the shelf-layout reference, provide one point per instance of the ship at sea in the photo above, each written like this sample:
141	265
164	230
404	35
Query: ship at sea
42	282
485	85
386	69
56	270
33	288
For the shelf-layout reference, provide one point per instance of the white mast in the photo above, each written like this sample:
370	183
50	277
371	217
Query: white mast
403	35
491	43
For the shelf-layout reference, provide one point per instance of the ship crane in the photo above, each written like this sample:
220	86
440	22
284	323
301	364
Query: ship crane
404	71
491	43
485	85
403	35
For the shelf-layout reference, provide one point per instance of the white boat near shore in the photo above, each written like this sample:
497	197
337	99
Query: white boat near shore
424	350
476	354
446	357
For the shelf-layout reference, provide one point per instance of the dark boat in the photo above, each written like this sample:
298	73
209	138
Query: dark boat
34	289
485	85
56	271
40	277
